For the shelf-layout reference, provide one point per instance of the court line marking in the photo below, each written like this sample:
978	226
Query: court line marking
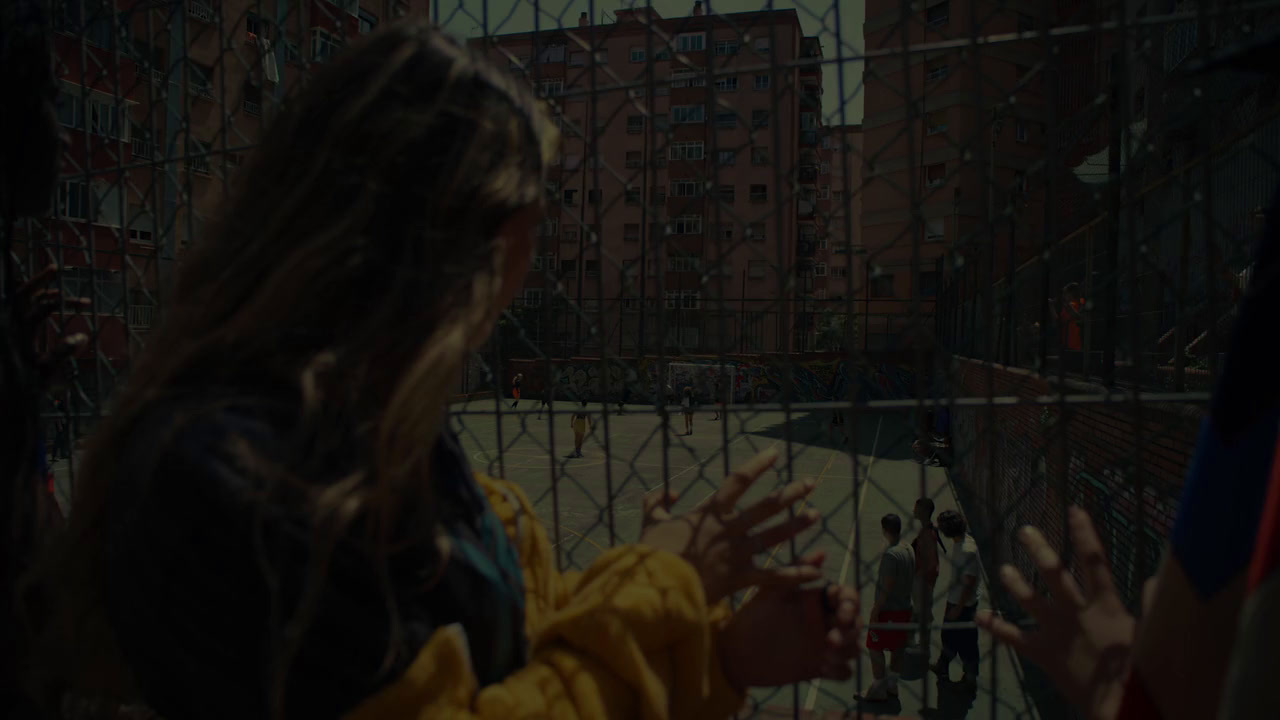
702	464
812	698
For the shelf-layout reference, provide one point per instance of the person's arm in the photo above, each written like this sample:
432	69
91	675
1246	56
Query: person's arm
631	633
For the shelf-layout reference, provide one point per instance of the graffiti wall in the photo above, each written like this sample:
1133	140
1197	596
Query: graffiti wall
758	379
1024	464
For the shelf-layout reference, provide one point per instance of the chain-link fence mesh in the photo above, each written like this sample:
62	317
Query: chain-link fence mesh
981	252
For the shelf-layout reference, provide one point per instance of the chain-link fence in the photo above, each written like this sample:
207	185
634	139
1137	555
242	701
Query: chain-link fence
865	233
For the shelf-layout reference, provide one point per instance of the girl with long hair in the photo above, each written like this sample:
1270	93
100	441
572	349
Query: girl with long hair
275	521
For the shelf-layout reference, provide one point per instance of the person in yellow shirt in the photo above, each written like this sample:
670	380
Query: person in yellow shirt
259	529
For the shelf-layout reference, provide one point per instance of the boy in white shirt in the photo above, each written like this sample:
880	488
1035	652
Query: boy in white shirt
963	593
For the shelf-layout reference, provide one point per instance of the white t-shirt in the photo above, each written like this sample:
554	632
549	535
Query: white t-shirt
963	558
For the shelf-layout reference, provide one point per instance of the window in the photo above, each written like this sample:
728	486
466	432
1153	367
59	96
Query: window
291	51
141	145
544	262
820	269
686	225
532	297
197	160
756	232
658	195
577	59
141	226
631	232
634	159
727	84
550	227
252	100
570	196
690	300
662	54
602	57
824	192
882	286
660	122
759	193
928	283
725	232
673	299
726	157
591	304
569	266
686	150
635	124
551	54
570	237
323	45
839	272
255	25
759	118
71	110
1020	130
936	71
757	269
688	78
73	200
936	122
591	268
368	21
632	196
762	82
934	230
761	45
935	175
686	188
725	193
637	54
548	88
808	121
938	15
727	119
759	156
691	42
684	114
1020	184
594	195
726	47
684	263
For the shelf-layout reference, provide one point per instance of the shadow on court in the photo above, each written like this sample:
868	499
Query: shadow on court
878	435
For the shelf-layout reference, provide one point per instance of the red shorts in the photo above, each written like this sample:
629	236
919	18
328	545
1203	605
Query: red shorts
889	639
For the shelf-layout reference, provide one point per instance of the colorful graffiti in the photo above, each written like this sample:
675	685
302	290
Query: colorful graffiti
751	379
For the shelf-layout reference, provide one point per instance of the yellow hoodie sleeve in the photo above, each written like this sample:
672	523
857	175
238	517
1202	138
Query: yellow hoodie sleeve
630	637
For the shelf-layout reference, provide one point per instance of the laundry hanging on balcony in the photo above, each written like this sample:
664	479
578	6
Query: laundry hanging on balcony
269	69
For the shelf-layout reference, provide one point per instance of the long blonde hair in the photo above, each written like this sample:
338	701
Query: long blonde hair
355	263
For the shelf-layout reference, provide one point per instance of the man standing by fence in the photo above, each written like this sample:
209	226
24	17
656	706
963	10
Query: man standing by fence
963	594
892	605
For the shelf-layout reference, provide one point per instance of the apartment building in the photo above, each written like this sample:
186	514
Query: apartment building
951	138
160	108
685	204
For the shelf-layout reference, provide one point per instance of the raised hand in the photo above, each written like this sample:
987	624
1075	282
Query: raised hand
721	543
1085	635
784	635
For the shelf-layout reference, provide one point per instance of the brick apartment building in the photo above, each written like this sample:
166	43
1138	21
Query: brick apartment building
931	147
690	201
160	107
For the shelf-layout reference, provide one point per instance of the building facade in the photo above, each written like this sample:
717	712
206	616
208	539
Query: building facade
686	215
160	105
952	138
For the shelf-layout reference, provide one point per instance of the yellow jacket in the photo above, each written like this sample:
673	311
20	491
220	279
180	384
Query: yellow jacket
629	637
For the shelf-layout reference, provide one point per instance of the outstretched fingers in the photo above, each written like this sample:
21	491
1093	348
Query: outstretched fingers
785	530
1062	586
742	478
1094	568
774	503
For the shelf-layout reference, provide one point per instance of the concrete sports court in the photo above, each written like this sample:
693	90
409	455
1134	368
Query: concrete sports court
598	501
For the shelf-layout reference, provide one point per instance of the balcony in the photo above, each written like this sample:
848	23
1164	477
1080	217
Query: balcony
808	173
200	11
142	317
253	108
